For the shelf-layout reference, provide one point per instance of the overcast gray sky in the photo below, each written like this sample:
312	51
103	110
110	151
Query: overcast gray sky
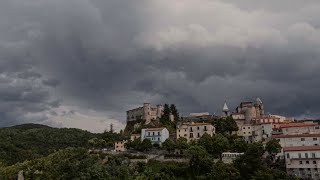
83	63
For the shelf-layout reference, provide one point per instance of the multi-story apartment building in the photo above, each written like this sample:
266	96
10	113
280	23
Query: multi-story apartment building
255	132
303	161
156	135
193	131
297	140
147	113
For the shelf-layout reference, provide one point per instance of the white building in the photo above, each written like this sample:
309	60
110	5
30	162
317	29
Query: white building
156	135
228	157
297	140
119	146
303	161
193	131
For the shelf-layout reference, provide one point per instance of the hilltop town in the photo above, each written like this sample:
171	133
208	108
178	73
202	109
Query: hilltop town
295	143
159	143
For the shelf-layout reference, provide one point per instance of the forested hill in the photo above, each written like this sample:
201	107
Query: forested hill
30	141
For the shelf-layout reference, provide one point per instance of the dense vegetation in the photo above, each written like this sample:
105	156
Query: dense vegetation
30	141
42	152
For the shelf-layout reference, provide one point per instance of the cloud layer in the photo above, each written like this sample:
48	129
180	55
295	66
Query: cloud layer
108	56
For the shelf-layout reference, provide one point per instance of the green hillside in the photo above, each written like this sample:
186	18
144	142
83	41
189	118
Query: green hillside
30	141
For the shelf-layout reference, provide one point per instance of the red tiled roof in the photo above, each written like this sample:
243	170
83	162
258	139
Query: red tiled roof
195	124
301	148
296	125
295	135
154	129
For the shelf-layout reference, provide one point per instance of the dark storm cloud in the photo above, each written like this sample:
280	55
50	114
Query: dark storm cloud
113	55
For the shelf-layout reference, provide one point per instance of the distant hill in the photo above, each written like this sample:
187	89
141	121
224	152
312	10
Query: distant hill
29	141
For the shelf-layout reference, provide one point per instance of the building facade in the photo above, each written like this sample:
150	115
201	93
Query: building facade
194	131
119	146
156	135
303	161
147	113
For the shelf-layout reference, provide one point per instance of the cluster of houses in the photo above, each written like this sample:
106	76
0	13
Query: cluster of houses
299	139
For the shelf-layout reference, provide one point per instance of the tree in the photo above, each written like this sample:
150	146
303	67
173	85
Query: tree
251	162
182	143
239	145
146	145
200	162
174	112
230	125
111	128
220	144
206	141
165	118
273	146
169	145
222	171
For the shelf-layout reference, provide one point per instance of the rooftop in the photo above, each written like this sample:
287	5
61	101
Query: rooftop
295	135
154	129
301	148
286	125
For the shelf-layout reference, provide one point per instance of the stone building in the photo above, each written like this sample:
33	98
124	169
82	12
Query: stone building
147	113
251	110
194	131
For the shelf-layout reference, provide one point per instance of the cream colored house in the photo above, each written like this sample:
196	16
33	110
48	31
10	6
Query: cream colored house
193	131
119	146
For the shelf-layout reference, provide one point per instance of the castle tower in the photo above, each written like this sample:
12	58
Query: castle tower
146	112
159	111
259	102
225	110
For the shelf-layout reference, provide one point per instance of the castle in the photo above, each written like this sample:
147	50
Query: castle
147	113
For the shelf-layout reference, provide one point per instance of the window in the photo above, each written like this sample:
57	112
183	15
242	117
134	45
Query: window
179	130
179	135
198	127
317	127
159	138
153	133
148	133
191	135
315	139
307	162
306	155
299	155
313	155
244	128
159	133
205	128
309	169
314	162
288	156
198	134
244	132
300	162
190	129
185	130
248	127
302	139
